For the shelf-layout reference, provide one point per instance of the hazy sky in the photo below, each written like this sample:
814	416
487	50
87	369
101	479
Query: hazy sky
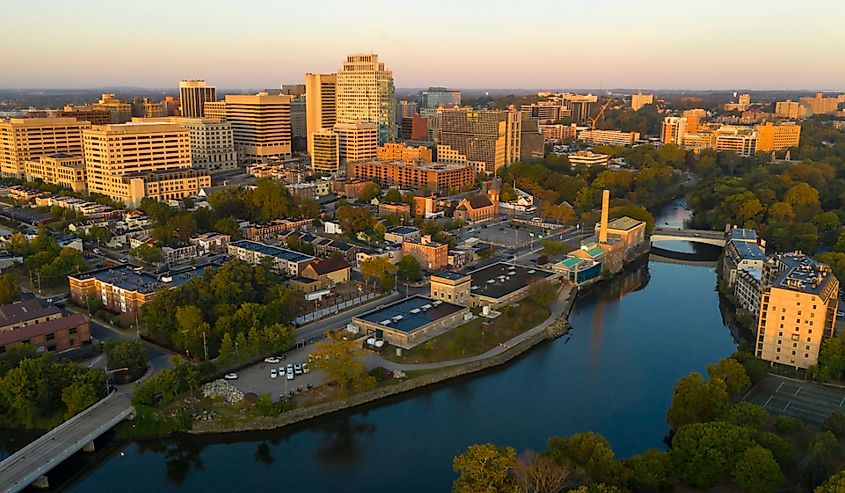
718	44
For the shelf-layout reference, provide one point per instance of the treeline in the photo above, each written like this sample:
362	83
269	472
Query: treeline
267	201
44	259
40	391
715	440
235	308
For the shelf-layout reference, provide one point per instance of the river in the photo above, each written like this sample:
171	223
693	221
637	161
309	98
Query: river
632	338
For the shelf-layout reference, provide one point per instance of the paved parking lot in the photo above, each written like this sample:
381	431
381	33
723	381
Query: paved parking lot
257	379
808	402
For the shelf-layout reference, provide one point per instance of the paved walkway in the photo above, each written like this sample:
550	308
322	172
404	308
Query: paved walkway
560	304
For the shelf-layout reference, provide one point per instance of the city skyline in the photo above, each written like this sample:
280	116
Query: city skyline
612	45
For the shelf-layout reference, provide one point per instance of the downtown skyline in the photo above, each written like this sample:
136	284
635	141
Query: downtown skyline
656	45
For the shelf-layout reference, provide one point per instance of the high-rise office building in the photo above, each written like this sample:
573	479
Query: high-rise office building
193	94
293	89
261	125
320	102
365	94
325	155
492	137
215	110
212	141
797	310
673	130
741	140
357	141
435	97
27	139
62	169
405	109
298	118
414	128
87	113
771	137
135	160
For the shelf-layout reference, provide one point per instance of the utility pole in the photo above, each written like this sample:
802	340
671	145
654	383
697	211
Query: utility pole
205	345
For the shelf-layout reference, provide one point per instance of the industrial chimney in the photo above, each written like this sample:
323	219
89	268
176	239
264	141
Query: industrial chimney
605	210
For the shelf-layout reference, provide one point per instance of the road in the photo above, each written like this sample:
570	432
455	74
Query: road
31	462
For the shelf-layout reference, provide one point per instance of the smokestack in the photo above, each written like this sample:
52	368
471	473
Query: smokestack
605	210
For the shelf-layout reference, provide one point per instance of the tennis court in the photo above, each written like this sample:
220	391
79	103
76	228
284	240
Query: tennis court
808	402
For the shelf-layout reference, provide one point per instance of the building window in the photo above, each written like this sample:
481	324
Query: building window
51	337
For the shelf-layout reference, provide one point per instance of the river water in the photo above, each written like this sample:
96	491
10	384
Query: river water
632	339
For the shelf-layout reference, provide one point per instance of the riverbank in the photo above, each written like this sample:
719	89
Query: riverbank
502	356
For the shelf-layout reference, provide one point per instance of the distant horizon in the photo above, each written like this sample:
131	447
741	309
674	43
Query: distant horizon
764	45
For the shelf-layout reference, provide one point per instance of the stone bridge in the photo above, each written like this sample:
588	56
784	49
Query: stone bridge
716	238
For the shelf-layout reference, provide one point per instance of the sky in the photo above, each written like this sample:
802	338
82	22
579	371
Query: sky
656	44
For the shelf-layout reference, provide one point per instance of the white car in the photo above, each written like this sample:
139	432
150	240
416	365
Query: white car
305	368
231	376
290	375
272	360
273	373
297	369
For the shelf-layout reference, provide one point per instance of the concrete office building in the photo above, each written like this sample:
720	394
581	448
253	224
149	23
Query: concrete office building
365	93
741	140
215	110
212	141
406	153
298	120
639	100
771	137
320	104
260	125
405	109
61	169
135	160
120	111
673	130
86	113
193	94
488	136
435	97
588	159
325	152
609	137
434	177
28	139
797	310
357	141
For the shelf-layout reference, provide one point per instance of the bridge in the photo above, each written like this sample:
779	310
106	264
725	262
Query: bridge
716	238
30	464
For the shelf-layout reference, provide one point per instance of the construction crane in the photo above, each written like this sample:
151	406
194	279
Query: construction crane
593	120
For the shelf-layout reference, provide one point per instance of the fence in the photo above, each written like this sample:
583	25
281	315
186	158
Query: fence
331	310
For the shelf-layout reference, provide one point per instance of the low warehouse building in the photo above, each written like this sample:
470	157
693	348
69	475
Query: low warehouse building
501	284
406	323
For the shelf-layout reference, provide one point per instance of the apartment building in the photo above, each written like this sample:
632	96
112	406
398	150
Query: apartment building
45	327
488	136
365	93
131	161
790	109
820	105
28	139
558	132
609	137
61	169
193	94
771	137
320	104
402	152
260	125
434	177
357	141
741	140
431	255
325	150
287	262
639	100
797	310
673	130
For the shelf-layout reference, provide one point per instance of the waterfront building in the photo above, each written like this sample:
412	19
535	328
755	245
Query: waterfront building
503	284
741	254
771	137
320	104
192	97
357	141
261	125
325	151
797	310
609	137
61	169
434	177
123	289
435	97
748	287
285	262
46	328
578	270
135	160
27	139
412	321
365	94
639	100
588	159
406	153
491	137
431	255
673	130
452	287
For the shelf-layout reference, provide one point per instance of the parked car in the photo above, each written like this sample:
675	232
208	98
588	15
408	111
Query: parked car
272	359
231	376
297	369
273	373
305	368
290	375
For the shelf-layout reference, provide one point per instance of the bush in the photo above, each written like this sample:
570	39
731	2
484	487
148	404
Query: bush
785	425
746	414
757	472
835	423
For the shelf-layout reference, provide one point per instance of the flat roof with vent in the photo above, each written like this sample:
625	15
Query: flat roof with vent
126	278
501	279
410	314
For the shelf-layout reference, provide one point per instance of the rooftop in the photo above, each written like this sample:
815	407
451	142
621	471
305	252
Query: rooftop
501	279
403	230
803	274
44	328
744	234
748	251
410	314
21	311
127	278
273	251
624	223
451	276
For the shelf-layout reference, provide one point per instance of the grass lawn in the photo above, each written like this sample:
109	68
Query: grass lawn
469	340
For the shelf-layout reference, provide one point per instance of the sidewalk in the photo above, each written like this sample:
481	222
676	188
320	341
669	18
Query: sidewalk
557	310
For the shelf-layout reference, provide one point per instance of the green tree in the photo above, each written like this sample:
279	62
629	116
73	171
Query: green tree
832	356
485	468
393	196
409	268
126	353
746	414
229	226
192	328
592	457
732	374
824	444
757	472
227	349
835	484
369	192
705	453
148	253
542	292
341	361
378	267
695	401
78	397
10	289
652	470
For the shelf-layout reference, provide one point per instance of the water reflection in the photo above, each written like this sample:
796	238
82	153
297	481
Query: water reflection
341	441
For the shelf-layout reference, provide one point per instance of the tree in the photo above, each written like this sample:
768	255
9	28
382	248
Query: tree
341	361
369	192
148	253
126	353
835	423
746	414
757	472
10	289
393	196
538	473
485	468
542	292
732	374
229	226
553	247
832	356
591	456
824	444
705	453
78	397
834	484
378	267
652	469
227	352
695	401
192	328
409	268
